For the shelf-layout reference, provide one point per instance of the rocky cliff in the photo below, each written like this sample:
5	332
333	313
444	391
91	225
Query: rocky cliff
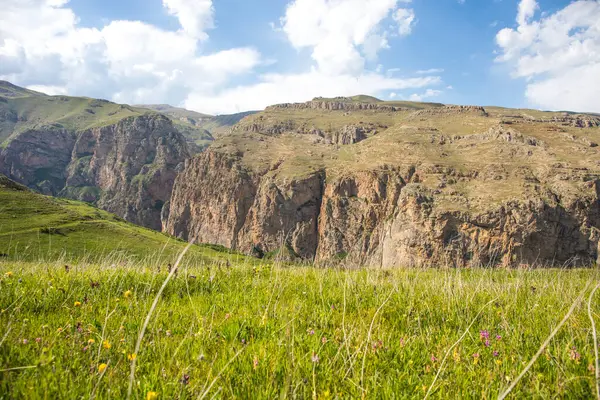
440	186
127	168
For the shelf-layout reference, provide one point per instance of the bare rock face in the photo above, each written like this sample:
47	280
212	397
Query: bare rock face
531	232
211	199
127	168
284	213
39	158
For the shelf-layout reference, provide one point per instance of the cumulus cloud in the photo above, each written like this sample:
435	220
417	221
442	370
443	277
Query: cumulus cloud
195	16
558	54
405	17
43	46
342	34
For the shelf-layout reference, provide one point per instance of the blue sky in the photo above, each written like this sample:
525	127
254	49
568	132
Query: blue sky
224	56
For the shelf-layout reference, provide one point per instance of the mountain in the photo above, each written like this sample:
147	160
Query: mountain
211	125
398	184
37	227
121	158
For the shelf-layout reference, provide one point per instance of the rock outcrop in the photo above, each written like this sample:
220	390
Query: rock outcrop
337	106
450	110
127	168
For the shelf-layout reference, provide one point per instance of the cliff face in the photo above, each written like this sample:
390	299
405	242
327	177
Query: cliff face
382	217
127	168
532	232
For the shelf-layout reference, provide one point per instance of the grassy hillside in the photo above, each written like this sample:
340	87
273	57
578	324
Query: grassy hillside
221	124
31	110
271	332
36	227
192	117
205	126
22	109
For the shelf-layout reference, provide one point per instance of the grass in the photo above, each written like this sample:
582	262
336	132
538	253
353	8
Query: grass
37	227
240	331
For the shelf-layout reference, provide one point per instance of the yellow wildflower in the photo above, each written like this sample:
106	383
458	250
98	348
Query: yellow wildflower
8	274
77	304
456	355
151	396
131	357
59	330
106	344
91	341
127	294
102	367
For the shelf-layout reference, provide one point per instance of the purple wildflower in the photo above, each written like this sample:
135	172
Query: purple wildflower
25	341
498	337
311	331
433	358
38	339
484	334
315	357
487	343
496	354
574	355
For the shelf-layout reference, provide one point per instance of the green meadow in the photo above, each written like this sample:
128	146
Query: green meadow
233	328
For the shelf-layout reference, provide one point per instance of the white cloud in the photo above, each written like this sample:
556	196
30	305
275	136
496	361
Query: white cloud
343	34
430	71
405	17
526	11
427	94
195	16
558	54
278	88
43	46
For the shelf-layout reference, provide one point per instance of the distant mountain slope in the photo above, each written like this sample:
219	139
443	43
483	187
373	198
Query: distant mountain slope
33	226
221	124
22	109
120	158
212	125
191	117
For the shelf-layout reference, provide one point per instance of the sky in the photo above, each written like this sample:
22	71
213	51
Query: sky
227	56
